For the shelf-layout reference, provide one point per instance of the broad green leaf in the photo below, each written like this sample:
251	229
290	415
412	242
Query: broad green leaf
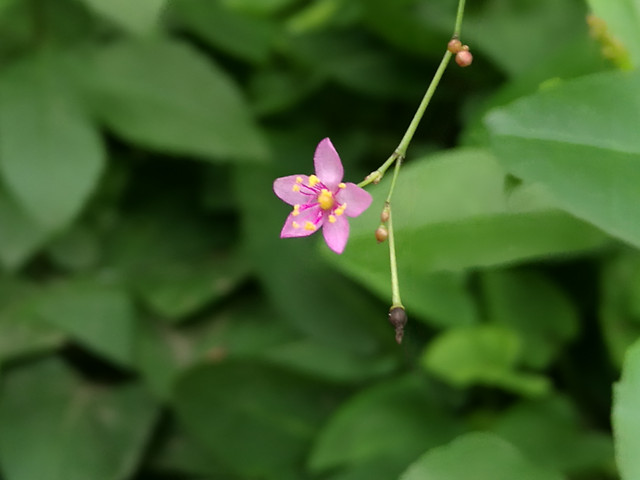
100	317
240	411
76	249
140	16
395	420
451	213
51	156
20	235
484	456
502	30
622	23
175	271
626	416
535	308
263	7
241	35
579	140
620	306
552	434
164	95
76	430
482	354
21	332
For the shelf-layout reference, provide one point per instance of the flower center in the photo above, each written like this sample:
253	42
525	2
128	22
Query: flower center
325	199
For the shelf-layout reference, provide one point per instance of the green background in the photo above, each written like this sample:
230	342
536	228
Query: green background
153	325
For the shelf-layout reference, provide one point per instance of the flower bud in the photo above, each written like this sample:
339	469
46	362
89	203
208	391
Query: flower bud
464	58
398	318
454	45
381	233
384	215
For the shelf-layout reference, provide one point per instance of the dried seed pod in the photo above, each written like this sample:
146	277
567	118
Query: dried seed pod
454	45
381	233
464	58
398	318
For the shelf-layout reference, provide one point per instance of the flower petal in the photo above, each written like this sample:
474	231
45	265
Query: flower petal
328	164
356	198
299	225
284	188
337	233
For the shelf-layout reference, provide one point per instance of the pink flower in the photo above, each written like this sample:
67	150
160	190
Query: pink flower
321	200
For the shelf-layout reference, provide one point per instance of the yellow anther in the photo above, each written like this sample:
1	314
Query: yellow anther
295	224
296	210
325	199
296	187
299	180
313	180
332	219
309	226
340	210
342	185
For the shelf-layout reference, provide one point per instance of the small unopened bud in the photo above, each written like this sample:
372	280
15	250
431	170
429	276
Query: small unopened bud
384	215
398	318
381	233
454	45
464	58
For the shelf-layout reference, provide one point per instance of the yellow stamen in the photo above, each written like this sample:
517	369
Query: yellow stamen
313	180
295	224
342	185
340	210
325	199
296	210
296	187
309	226
298	179
332	219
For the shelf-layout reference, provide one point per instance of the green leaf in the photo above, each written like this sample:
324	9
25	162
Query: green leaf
622	23
256	419
552	434
502	31
100	433
395	420
182	273
141	16
51	156
483	455
98	316
535	308
164	95
626	416
578	139
482	354
451	213
620	306
21	235
21	332
246	37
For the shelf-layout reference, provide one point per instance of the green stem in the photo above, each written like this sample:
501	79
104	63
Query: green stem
459	15
401	150
395	285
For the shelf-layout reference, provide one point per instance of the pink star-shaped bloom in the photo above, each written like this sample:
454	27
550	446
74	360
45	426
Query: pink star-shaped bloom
321	200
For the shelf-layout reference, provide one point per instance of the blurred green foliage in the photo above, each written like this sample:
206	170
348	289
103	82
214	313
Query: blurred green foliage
153	325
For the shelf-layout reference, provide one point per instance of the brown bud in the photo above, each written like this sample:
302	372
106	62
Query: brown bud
381	233
454	45
464	58
398	318
384	215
